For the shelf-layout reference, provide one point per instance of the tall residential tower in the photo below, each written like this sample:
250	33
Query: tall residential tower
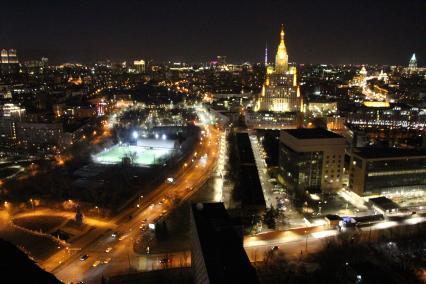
412	64
280	92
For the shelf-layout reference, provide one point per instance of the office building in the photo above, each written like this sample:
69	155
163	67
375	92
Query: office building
378	171
9	61
392	116
311	160
217	252
321	108
139	66
273	120
8	56
37	134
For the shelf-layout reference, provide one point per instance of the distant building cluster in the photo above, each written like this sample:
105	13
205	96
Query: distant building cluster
8	61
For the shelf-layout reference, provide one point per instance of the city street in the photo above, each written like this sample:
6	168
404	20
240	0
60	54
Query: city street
186	181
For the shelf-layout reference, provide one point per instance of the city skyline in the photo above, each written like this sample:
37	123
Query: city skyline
213	142
339	33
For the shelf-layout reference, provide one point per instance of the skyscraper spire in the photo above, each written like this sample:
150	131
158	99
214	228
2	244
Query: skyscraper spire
281	59
412	65
266	54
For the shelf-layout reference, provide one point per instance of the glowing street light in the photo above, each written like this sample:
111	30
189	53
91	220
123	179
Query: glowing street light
135	134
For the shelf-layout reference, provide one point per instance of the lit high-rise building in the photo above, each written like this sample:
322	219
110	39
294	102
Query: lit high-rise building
13	58
412	65
139	66
4	56
8	56
280	92
8	61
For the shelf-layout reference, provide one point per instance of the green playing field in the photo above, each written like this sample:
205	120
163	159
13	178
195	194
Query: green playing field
142	156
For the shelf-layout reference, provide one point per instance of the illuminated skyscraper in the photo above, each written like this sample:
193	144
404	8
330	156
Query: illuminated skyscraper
139	66
412	65
280	92
4	56
13	58
8	61
8	56
281	59
266	54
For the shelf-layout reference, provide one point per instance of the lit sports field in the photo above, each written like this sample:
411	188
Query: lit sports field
142	156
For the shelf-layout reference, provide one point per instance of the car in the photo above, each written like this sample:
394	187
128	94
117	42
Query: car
114	234
165	260
274	248
122	237
151	206
108	249
84	257
96	263
143	227
107	260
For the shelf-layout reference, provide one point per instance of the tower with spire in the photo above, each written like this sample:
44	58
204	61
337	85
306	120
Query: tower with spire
281	59
412	64
281	91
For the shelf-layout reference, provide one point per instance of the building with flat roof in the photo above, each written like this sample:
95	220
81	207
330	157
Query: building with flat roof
311	160
273	120
377	171
252	198
217	251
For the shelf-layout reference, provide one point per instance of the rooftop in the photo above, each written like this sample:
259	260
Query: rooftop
376	153
223	252
384	203
312	133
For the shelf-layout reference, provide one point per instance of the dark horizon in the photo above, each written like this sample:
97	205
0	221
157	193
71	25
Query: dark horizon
383	32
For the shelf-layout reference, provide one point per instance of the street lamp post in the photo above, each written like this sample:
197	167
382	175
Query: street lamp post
306	241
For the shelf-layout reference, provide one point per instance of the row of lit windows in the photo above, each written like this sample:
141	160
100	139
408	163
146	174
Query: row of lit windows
391	173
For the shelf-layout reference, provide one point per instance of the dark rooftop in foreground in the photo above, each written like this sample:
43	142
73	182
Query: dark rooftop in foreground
16	267
245	152
377	153
311	133
222	249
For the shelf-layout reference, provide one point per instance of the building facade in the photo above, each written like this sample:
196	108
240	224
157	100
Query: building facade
139	66
378	171
273	120
311	160
394	116
9	61
280	92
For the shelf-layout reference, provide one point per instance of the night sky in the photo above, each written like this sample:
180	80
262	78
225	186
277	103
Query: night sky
379	31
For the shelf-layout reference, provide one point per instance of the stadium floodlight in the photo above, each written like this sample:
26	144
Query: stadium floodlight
164	137
135	134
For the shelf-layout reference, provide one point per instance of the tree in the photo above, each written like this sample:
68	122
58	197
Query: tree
78	217
269	218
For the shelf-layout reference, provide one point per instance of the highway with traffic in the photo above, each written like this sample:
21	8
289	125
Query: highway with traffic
109	253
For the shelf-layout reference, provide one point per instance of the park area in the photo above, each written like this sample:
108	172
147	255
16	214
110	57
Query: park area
138	155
